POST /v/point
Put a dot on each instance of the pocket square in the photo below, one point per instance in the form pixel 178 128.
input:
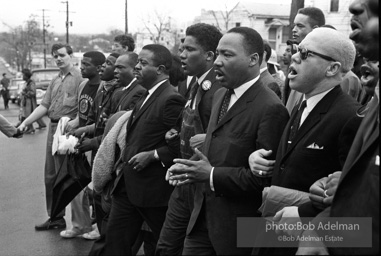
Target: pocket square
pixel 377 162
pixel 315 146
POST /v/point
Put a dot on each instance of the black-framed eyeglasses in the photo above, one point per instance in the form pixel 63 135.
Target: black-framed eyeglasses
pixel 304 54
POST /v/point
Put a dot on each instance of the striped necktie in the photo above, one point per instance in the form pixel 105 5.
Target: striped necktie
pixel 225 104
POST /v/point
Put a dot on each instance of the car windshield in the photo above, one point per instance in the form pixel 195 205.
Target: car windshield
pixel 40 76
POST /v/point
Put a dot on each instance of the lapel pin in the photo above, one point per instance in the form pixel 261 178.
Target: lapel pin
pixel 206 85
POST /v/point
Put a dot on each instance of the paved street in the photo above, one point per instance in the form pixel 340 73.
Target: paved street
pixel 22 197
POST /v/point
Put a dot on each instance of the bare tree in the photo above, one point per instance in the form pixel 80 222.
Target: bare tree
pixel 20 41
pixel 226 16
pixel 157 24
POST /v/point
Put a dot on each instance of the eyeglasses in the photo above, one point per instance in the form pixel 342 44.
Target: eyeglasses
pixel 304 54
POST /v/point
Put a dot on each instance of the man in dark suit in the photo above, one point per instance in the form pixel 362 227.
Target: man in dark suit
pixel 255 117
pixel 126 96
pixel 197 60
pixel 358 191
pixel 320 132
pixel 141 192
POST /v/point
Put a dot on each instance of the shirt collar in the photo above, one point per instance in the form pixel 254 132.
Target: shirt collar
pixel 128 86
pixel 262 70
pixel 239 91
pixel 153 89
pixel 314 100
pixel 201 79
pixel 60 74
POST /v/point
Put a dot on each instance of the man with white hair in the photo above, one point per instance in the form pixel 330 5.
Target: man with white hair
pixel 317 138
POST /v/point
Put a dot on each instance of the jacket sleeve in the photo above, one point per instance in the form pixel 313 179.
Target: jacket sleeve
pixel 172 110
pixel 238 181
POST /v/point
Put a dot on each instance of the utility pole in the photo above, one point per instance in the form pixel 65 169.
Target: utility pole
pixel 295 6
pixel 67 20
pixel 43 35
pixel 126 20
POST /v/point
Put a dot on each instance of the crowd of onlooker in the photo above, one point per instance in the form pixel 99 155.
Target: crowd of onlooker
pixel 182 146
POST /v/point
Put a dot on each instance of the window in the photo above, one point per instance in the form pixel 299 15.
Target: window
pixel 285 33
pixel 272 37
pixel 334 6
pixel 238 24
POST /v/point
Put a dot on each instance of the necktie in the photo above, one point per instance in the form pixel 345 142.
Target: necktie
pixel 193 93
pixel 139 104
pixel 225 104
pixel 189 88
pixel 141 101
pixel 295 124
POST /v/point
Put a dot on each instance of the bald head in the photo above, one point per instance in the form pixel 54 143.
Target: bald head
pixel 332 43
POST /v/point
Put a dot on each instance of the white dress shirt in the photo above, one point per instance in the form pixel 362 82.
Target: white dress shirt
pixel 311 103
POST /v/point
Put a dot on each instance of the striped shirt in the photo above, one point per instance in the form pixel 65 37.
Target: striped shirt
pixel 61 97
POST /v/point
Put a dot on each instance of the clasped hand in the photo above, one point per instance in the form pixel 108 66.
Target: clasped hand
pixel 141 160
pixel 188 171
pixel 323 190
pixel 259 165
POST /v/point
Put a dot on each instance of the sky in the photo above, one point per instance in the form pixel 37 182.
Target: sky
pixel 102 16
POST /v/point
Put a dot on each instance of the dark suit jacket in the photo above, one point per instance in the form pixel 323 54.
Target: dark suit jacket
pixel 255 121
pixel 270 82
pixel 358 192
pixel 145 132
pixel 298 166
pixel 205 98
pixel 183 89
pixel 126 99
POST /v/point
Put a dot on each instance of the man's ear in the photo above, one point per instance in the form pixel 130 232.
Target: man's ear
pixel 254 59
pixel 210 56
pixel 160 69
pixel 333 69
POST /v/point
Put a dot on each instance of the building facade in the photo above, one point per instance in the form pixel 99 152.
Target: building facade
pixel 272 20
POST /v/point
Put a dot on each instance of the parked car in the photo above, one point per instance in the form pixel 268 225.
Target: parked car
pixel 42 78
pixel 15 87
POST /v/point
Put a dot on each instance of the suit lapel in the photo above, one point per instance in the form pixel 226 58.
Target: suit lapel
pixel 218 98
pixel 239 106
pixel 126 93
pixel 287 129
pixel 150 100
pixel 211 76
pixel 313 118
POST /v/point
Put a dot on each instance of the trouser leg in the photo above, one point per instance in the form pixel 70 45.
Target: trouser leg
pixel 123 226
pixel 52 165
pixel 41 122
pixel 174 229
pixel 80 212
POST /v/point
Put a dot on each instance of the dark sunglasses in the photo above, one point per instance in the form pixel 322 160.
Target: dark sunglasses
pixel 304 54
